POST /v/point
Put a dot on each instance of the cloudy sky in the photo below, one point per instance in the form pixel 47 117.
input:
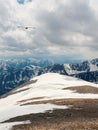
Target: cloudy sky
pixel 64 28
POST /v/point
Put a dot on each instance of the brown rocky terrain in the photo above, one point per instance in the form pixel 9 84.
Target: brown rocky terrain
pixel 81 115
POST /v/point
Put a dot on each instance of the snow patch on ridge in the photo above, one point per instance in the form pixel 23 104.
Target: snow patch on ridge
pixel 8 126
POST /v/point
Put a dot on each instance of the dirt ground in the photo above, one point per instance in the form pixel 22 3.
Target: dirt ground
pixel 84 89
pixel 82 115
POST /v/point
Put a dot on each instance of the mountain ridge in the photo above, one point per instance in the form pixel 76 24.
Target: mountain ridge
pixel 43 95
pixel 11 77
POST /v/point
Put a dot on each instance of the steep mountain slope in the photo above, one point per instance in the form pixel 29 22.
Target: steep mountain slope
pixel 40 95
pixel 12 77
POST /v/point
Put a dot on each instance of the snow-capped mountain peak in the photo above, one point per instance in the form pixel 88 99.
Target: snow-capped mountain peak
pixel 86 66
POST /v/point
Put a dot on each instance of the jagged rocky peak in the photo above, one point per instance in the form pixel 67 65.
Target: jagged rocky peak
pixel 95 61
pixel 86 66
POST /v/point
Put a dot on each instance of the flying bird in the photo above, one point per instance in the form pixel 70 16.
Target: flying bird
pixel 26 27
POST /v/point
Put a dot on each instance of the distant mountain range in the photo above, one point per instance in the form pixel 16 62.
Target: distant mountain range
pixel 87 70
pixel 16 72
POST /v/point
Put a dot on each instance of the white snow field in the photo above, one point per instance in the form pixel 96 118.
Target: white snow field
pixel 47 87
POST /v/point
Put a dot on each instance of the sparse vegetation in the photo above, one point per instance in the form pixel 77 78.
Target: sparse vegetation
pixel 83 115
pixel 84 89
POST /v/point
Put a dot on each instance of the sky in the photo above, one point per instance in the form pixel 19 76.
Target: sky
pixel 63 29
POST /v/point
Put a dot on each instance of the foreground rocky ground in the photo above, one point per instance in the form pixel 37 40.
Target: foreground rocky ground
pixel 82 115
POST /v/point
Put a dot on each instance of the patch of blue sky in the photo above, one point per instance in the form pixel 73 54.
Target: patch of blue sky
pixel 22 1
